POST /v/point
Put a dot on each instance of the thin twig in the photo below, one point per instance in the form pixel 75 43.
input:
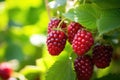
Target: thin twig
pixel 84 2
pixel 59 25
pixel 48 9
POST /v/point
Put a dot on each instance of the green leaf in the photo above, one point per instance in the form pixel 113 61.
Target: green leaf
pixel 110 20
pixel 110 77
pixel 61 69
pixel 70 14
pixel 107 4
pixel 86 15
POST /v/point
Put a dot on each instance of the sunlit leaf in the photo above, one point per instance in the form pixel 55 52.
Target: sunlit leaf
pixel 87 16
pixel 31 72
pixel 61 70
pixel 70 14
pixel 84 14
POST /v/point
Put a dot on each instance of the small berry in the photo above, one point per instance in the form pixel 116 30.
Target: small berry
pixel 83 67
pixel 73 28
pixel 56 41
pixel 54 24
pixel 5 71
pixel 102 55
pixel 82 42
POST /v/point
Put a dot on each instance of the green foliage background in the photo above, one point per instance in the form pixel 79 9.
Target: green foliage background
pixel 20 22
pixel 23 31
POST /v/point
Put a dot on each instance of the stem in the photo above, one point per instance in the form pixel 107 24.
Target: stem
pixel 98 38
pixel 48 9
pixel 75 2
pixel 61 22
pixel 84 2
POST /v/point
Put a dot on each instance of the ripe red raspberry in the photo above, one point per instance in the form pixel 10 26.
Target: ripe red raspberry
pixel 56 41
pixel 5 71
pixel 54 24
pixel 73 28
pixel 83 67
pixel 102 55
pixel 82 42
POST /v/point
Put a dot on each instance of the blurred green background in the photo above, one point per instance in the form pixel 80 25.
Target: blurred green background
pixel 23 27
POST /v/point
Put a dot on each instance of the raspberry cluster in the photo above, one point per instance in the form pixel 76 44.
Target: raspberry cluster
pixel 56 38
pixel 101 58
pixel 81 41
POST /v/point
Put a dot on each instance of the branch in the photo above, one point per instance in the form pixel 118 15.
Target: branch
pixel 48 9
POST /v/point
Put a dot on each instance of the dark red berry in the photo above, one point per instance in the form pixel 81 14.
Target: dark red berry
pixel 83 67
pixel 56 41
pixel 102 55
pixel 54 24
pixel 5 71
pixel 82 42
pixel 73 28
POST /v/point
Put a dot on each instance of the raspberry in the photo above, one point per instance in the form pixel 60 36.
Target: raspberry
pixel 54 24
pixel 102 55
pixel 56 41
pixel 82 42
pixel 83 67
pixel 5 71
pixel 73 27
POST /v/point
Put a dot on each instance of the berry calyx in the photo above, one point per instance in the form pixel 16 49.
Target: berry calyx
pixel 73 28
pixel 82 42
pixel 56 41
pixel 5 71
pixel 54 22
pixel 102 55
pixel 83 67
